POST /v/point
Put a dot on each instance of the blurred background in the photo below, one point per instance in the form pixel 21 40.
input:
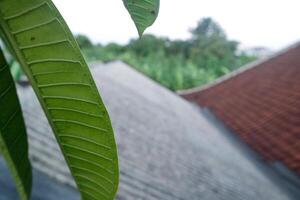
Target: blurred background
pixel 205 105
pixel 191 43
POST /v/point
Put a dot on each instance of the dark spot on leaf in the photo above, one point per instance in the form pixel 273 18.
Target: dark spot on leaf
pixel 32 38
pixel 153 12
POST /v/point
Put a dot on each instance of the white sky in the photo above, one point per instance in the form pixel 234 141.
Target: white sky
pixel 271 23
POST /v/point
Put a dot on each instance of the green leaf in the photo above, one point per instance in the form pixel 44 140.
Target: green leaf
pixel 143 13
pixel 13 138
pixel 59 75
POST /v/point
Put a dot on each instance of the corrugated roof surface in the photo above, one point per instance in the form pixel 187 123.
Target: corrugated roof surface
pixel 168 149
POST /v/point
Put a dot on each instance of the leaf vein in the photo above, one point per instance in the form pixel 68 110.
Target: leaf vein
pixel 93 189
pixel 90 162
pixel 10 119
pixel 63 84
pixel 93 182
pixel 6 90
pixel 76 111
pixel 87 151
pixel 34 26
pixel 71 99
pixel 79 123
pixel 84 139
pixel 25 11
pixel 52 60
pixel 43 44
pixel 92 172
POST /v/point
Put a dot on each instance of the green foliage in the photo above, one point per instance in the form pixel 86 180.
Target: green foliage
pixel 13 142
pixel 207 27
pixel 178 64
pixel 83 41
pixel 143 13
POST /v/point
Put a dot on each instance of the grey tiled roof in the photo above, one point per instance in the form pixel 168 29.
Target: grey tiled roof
pixel 44 188
pixel 168 150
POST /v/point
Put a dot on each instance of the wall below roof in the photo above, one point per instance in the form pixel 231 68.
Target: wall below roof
pixel 262 106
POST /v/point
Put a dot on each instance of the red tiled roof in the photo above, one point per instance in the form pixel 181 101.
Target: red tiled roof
pixel 261 105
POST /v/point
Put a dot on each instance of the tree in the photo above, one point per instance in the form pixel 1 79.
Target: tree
pixel 147 45
pixel 178 64
pixel 207 27
pixel 83 41
pixel 210 47
pixel 38 37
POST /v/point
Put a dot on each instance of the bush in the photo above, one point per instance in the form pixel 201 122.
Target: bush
pixel 178 64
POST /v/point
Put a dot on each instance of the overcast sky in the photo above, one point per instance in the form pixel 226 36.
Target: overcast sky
pixel 270 23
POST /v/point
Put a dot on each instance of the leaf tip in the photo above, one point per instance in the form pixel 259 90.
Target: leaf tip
pixel 143 13
pixel 140 32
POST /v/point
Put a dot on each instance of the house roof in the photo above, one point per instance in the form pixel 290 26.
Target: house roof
pixel 45 188
pixel 260 103
pixel 168 148
pixel 238 71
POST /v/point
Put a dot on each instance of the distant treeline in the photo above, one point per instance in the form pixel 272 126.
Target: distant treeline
pixel 176 64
